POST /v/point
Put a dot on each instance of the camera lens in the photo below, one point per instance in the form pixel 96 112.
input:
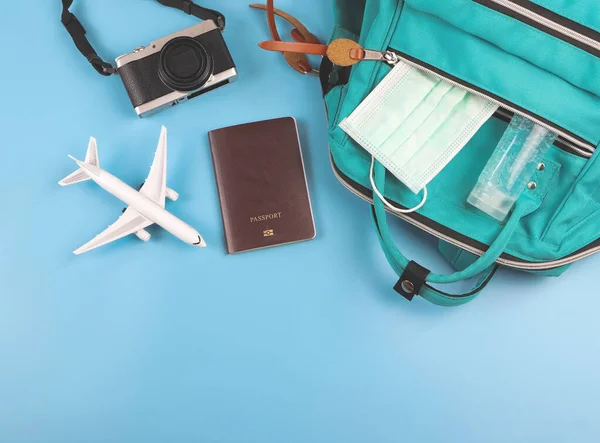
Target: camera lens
pixel 185 65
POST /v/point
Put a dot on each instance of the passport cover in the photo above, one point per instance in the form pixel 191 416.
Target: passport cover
pixel 262 185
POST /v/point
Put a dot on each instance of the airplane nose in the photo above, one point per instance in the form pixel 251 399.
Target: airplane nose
pixel 201 243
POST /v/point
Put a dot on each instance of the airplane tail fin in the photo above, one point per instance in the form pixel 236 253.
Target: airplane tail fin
pixel 91 158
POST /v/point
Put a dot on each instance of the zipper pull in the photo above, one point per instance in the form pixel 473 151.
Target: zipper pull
pixel 342 52
pixel 389 57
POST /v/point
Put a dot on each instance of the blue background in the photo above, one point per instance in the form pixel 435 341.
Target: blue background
pixel 162 342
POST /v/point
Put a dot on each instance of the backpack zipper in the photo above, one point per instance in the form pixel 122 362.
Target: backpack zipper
pixel 548 21
pixel 574 143
pixel 560 143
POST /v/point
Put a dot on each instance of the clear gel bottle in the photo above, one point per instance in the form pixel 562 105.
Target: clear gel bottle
pixel 509 170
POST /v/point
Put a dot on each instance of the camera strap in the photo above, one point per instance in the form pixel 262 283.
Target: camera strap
pixel 77 31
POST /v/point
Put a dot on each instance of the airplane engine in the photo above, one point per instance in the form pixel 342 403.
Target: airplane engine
pixel 143 235
pixel 172 195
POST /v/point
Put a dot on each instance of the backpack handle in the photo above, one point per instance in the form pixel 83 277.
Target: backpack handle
pixel 414 278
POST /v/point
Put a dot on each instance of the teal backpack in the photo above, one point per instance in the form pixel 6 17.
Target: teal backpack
pixel 536 58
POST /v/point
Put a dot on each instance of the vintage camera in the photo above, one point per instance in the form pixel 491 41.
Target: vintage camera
pixel 176 68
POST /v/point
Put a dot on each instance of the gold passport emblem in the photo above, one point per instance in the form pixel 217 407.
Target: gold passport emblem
pixel 269 233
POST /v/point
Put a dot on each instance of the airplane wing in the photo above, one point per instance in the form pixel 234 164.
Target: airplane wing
pixel 76 177
pixel 90 158
pixel 129 223
pixel 155 187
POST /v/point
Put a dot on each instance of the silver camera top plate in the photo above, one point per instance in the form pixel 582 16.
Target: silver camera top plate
pixel 156 46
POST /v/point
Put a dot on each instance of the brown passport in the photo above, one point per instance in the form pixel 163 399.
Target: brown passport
pixel 262 185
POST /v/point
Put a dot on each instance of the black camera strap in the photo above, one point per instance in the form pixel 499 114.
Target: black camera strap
pixel 77 31
pixel 191 8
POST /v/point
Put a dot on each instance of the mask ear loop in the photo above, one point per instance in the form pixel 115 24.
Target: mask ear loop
pixel 388 204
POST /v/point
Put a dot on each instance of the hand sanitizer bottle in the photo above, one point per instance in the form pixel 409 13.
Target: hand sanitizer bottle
pixel 511 167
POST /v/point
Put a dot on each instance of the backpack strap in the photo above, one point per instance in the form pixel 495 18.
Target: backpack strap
pixel 413 280
pixel 417 280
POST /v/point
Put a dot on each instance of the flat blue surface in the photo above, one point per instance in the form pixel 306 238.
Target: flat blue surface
pixel 162 342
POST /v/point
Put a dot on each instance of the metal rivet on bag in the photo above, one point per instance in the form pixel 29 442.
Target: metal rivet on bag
pixel 532 185
pixel 541 167
pixel 408 287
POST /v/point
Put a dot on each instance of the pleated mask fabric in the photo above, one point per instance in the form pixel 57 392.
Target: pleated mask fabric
pixel 415 124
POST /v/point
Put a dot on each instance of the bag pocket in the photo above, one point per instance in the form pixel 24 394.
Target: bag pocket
pixel 576 222
pixel 566 48
pixel 523 68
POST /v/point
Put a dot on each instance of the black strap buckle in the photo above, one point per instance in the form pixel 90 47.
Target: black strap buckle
pixel 72 25
pixel 191 8
pixel 187 6
pixel 101 66
pixel 412 280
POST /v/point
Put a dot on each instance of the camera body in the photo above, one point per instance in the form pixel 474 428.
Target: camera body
pixel 176 68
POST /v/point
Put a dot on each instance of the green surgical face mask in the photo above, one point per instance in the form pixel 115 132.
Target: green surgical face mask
pixel 415 124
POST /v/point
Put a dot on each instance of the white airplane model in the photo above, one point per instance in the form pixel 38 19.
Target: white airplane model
pixel 146 206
